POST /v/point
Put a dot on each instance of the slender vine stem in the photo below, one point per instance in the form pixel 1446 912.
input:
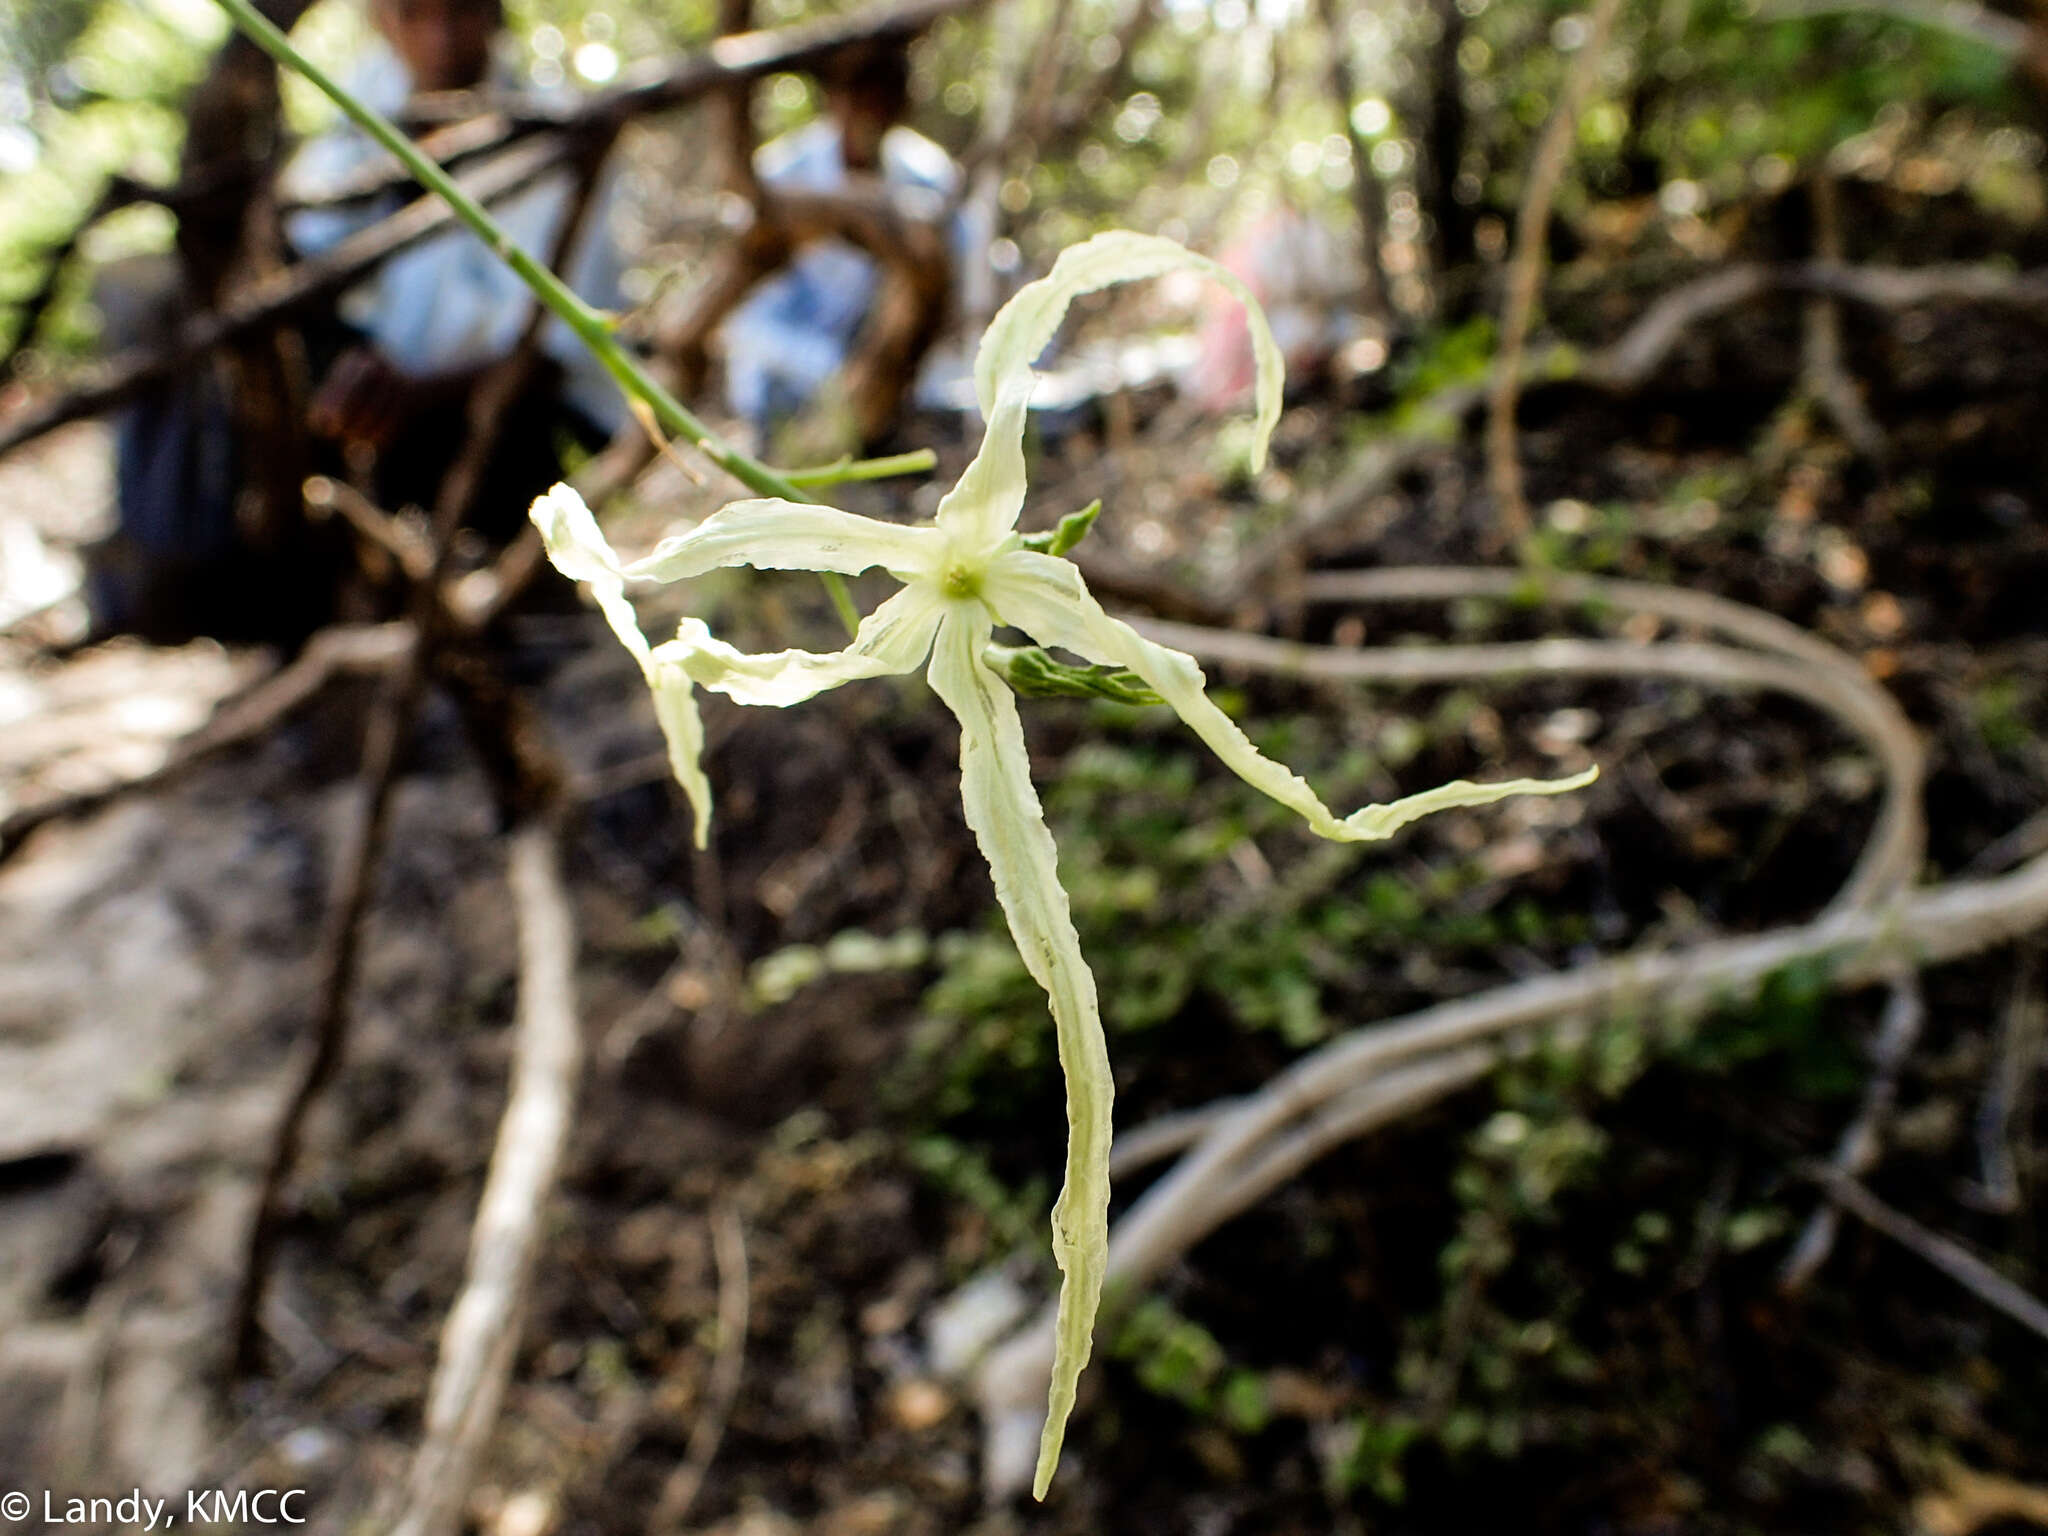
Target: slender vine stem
pixel 844 471
pixel 590 327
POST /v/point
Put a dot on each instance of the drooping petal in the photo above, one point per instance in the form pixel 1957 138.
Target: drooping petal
pixel 1047 598
pixel 675 706
pixel 772 535
pixel 577 547
pixel 1023 326
pixel 895 638
pixel 983 505
pixel 1004 813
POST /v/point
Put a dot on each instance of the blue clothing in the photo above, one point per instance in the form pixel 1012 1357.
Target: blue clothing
pixel 797 328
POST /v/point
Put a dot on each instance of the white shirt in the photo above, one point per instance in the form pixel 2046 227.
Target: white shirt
pixel 447 303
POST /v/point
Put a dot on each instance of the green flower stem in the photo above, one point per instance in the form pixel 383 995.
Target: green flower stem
pixel 847 470
pixel 590 326
pixel 842 601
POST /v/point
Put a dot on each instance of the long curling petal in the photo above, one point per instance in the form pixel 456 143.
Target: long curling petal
pixel 1022 327
pixel 895 638
pixel 773 535
pixel 1008 823
pixel 1047 598
pixel 577 547
pixel 983 505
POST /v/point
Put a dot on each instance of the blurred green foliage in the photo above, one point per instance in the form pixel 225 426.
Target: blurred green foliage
pixel 85 91
pixel 1178 1359
pixel 1218 114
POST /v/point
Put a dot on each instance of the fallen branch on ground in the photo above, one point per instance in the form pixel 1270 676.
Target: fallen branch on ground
pixel 1862 947
pixel 1625 366
pixel 1824 377
pixel 1629 363
pixel 1892 855
pixel 479 1341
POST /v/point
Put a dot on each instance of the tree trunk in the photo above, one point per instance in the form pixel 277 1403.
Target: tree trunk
pixel 1452 247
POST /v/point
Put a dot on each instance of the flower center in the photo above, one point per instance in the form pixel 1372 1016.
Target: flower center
pixel 961 580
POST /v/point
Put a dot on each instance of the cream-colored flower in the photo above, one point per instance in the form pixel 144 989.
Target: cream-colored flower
pixel 963 574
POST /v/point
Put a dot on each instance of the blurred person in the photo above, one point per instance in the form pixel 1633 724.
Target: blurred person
pixel 1305 280
pixel 393 368
pixel 799 326
pixel 425 326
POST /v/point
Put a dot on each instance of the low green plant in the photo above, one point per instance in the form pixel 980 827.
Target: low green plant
pixel 1176 1358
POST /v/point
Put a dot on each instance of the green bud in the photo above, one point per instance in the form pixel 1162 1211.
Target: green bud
pixel 1069 531
pixel 1033 674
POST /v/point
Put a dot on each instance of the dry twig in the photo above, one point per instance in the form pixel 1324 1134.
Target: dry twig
pixel 362 843
pixel 1823 374
pixel 1525 270
pixel 1893 852
pixel 1905 1015
pixel 679 1492
pixel 375 528
pixel 340 939
pixel 2006 1091
pixel 1945 1254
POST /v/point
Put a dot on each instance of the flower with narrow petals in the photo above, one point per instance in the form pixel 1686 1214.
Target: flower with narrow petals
pixel 963 574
